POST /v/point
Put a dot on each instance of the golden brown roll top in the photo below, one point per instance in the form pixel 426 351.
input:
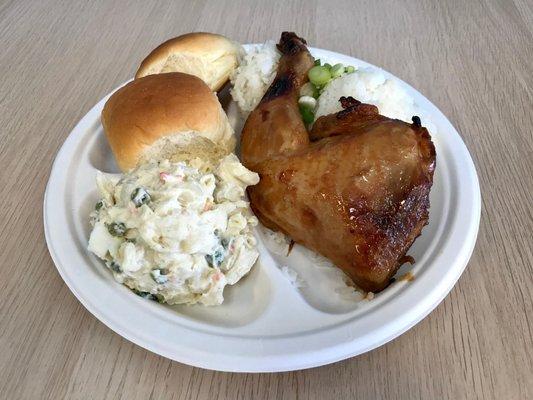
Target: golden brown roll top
pixel 209 56
pixel 162 106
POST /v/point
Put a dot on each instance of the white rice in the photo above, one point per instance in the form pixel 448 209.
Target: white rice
pixel 292 276
pixel 276 242
pixel 255 73
pixel 369 85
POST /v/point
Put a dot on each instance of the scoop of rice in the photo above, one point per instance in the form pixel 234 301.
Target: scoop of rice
pixel 254 75
pixel 370 85
pixel 258 67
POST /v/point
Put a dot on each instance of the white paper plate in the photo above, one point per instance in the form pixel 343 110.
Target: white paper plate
pixel 265 324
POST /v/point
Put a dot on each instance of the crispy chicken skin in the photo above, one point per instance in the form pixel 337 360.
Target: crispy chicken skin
pixel 355 188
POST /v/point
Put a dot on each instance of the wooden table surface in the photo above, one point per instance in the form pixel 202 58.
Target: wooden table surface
pixel 473 59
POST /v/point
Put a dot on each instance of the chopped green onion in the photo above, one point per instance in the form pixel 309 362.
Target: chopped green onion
pixel 215 260
pixel 317 61
pixel 140 196
pixel 316 92
pixel 307 102
pixel 116 228
pixel 115 267
pixel 308 116
pixel 337 70
pixel 350 69
pixel 146 295
pixel 319 75
pixel 158 276
pixel 98 206
pixel 327 65
pixel 309 90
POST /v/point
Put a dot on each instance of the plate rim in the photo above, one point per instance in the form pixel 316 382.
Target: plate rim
pixel 293 361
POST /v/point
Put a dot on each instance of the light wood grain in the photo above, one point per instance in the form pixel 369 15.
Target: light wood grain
pixel 473 59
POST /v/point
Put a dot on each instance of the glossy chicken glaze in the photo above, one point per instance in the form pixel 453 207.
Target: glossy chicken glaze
pixel 355 188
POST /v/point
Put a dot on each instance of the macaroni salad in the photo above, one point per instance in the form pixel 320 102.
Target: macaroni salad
pixel 176 232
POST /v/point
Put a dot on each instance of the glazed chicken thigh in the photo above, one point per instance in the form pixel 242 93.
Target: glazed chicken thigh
pixel 354 189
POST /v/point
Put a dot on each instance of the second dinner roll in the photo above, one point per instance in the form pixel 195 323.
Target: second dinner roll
pixel 162 106
pixel 209 56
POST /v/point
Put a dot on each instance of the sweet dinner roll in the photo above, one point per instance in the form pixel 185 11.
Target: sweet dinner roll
pixel 139 115
pixel 208 56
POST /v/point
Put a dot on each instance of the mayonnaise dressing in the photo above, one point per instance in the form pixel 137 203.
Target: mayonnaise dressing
pixel 176 232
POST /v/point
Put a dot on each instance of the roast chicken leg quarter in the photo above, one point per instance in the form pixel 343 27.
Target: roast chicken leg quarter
pixel 354 189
